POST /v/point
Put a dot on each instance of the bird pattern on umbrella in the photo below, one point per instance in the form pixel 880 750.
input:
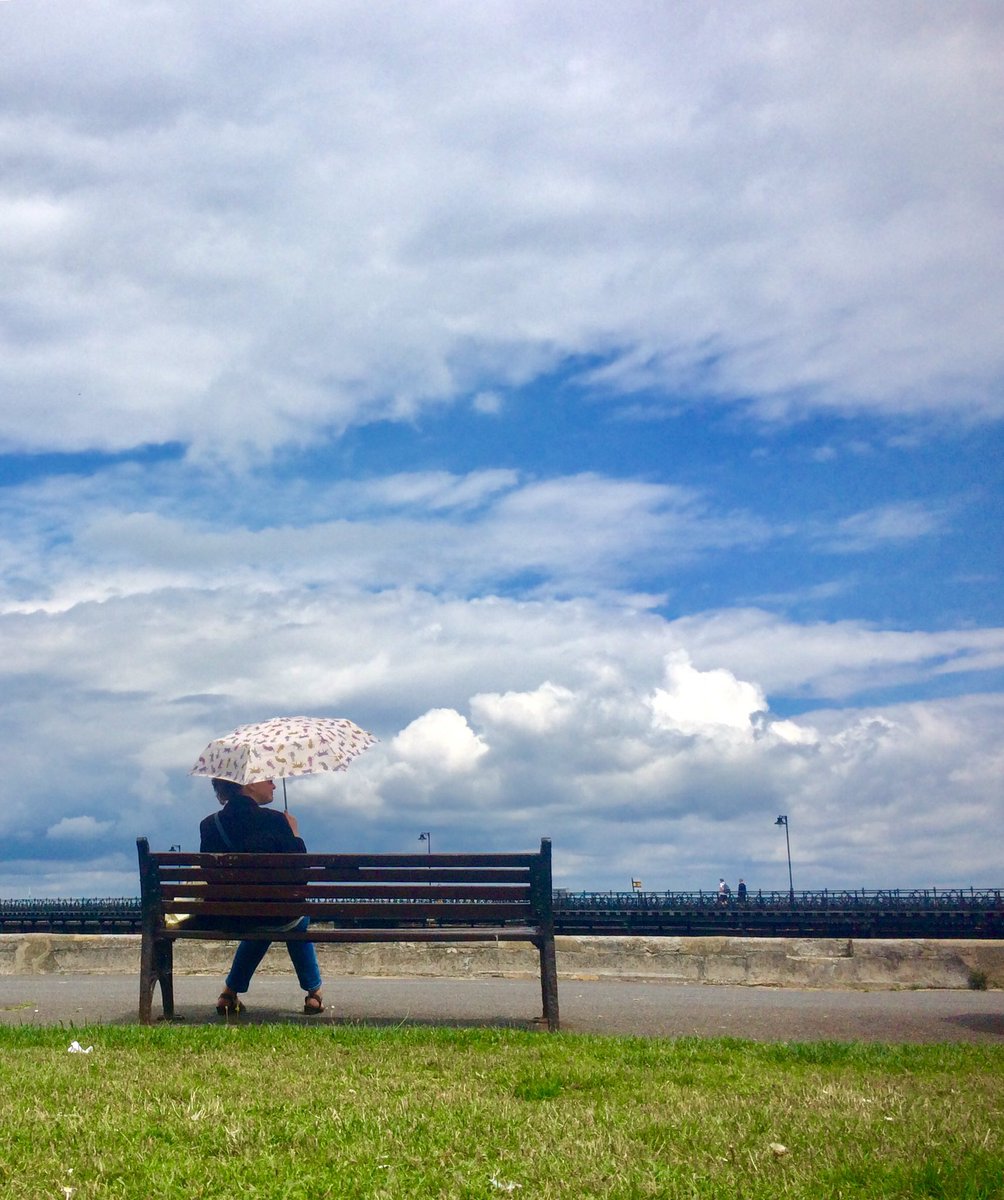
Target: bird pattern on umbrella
pixel 283 746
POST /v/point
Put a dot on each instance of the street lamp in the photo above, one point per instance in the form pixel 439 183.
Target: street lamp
pixel 787 841
pixel 426 837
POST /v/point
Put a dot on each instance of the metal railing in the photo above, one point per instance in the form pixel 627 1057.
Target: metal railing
pixel 932 899
pixel 858 912
pixel 112 914
pixel 883 912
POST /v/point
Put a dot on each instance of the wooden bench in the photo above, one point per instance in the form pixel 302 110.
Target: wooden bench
pixel 349 898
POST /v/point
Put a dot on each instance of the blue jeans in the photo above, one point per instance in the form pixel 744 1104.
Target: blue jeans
pixel 249 954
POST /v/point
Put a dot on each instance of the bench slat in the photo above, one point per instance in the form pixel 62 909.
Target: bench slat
pixel 270 874
pixel 456 911
pixel 370 891
pixel 353 862
pixel 438 933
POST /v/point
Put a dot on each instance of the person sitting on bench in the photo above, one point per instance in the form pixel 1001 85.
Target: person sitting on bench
pixel 246 826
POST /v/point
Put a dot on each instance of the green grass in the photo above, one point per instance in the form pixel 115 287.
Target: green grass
pixel 284 1112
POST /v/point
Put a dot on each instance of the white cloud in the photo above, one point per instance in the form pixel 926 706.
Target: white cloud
pixel 78 828
pixel 430 529
pixel 434 491
pixel 832 658
pixel 538 712
pixel 501 721
pixel 487 403
pixel 705 701
pixel 371 218
pixel 876 528
pixel 793 733
pixel 439 742
pixel 250 233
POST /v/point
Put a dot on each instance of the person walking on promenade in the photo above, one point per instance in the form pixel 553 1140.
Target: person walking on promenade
pixel 741 891
pixel 246 826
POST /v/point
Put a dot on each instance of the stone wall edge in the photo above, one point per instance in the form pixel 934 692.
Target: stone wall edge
pixel 765 962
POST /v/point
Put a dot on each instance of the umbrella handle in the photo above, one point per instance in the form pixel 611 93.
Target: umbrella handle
pixel 285 806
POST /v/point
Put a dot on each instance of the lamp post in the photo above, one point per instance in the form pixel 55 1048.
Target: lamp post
pixel 787 841
pixel 426 837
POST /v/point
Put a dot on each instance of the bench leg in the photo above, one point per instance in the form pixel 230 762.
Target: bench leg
pixel 147 979
pixel 165 976
pixel 549 983
pixel 156 965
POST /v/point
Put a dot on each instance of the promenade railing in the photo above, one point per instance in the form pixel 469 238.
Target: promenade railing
pixel 972 912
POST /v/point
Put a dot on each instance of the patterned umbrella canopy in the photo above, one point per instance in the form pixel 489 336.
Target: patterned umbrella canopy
pixel 281 747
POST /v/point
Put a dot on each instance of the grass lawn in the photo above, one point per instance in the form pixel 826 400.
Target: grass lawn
pixel 282 1111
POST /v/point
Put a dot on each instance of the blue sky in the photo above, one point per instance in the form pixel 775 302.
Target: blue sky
pixel 601 405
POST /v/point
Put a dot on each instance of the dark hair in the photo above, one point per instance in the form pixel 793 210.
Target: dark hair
pixel 226 790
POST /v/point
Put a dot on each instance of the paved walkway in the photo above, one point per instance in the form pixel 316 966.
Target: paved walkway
pixel 607 1006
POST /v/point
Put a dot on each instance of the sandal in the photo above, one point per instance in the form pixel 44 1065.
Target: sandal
pixel 228 1004
pixel 313 1004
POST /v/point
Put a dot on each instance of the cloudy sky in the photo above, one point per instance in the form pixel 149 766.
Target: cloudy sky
pixel 600 403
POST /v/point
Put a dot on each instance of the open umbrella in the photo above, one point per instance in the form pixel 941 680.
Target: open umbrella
pixel 281 747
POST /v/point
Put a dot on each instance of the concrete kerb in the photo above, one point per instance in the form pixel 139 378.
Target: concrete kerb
pixel 768 962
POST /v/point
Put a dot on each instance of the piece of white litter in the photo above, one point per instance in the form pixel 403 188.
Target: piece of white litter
pixel 503 1185
pixel 76 1048
pixel 778 1150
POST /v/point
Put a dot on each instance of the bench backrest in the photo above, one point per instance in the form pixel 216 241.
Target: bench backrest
pixel 364 890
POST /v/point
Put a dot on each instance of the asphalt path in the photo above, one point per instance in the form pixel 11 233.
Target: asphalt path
pixel 643 1009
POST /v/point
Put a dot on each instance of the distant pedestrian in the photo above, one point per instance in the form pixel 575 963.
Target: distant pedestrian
pixel 724 891
pixel 741 891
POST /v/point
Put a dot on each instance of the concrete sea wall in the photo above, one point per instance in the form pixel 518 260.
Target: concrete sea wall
pixel 766 962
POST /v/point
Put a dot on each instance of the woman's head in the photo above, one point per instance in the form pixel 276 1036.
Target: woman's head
pixel 226 790
pixel 260 792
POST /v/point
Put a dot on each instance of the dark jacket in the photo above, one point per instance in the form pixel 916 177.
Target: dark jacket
pixel 251 830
